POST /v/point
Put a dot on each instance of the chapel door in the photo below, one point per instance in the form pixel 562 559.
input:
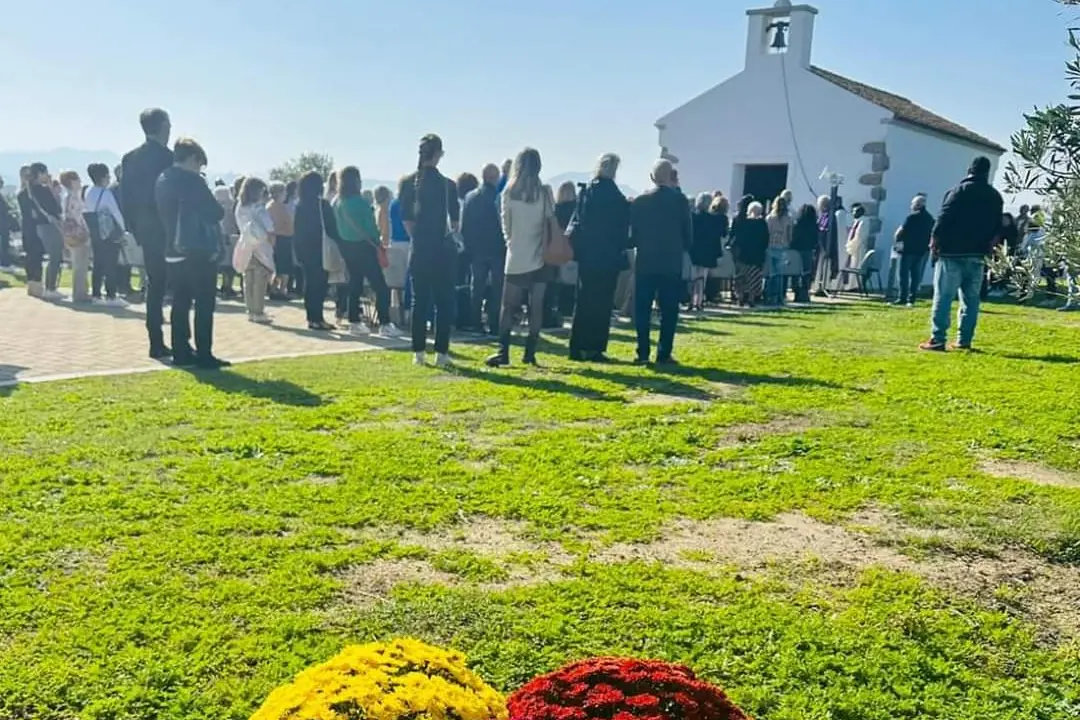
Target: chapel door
pixel 765 182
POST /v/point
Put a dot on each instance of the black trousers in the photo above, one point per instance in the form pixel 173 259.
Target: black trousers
pixel 5 247
pixel 592 317
pixel 314 289
pixel 463 291
pixel 35 253
pixel 487 283
pixel 433 285
pixel 155 286
pixel 910 276
pixel 194 283
pixel 362 261
pixel 106 268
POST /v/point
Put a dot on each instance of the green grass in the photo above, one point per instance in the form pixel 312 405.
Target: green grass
pixel 176 545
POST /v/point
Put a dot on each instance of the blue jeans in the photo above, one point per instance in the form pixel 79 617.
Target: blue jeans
pixel 776 285
pixel 667 291
pixel 964 274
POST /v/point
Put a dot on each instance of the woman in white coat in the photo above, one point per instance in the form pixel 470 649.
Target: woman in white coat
pixel 527 210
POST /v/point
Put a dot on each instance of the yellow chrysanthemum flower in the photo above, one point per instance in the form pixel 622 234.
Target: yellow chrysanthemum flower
pixel 386 681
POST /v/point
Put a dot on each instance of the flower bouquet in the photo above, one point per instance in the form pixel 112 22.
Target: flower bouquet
pixel 621 689
pixel 386 681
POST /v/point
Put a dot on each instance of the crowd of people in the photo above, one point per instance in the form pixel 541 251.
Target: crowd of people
pixel 476 254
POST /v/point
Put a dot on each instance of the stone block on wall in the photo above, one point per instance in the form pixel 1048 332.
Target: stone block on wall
pixel 874 148
pixel 872 179
pixel 875 225
pixel 880 163
pixel 871 208
pixel 878 193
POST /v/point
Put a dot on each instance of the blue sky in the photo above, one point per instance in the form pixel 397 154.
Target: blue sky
pixel 258 82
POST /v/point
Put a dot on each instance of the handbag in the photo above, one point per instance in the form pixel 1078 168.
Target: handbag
pixel 332 259
pixel 52 239
pixel 103 226
pixel 201 242
pixel 380 249
pixel 557 249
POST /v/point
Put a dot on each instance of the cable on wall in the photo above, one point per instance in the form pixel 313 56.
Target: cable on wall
pixel 791 126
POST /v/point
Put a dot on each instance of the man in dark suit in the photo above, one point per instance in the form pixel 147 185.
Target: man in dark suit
pixel 660 230
pixel 140 170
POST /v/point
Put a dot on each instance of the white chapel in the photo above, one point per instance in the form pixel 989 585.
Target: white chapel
pixel 782 120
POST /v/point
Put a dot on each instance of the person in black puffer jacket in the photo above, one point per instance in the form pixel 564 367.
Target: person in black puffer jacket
pixel 966 228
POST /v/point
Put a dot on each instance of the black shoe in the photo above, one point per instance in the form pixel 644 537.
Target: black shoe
pixel 641 361
pixel 160 352
pixel 601 358
pixel 666 360
pixel 498 359
pixel 184 360
pixel 211 363
pixel 530 350
pixel 577 356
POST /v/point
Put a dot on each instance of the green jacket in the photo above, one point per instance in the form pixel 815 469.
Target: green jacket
pixel 356 220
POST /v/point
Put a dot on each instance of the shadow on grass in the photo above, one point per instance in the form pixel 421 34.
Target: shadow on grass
pixel 9 381
pixel 665 380
pixel 1049 359
pixel 281 392
pixel 512 378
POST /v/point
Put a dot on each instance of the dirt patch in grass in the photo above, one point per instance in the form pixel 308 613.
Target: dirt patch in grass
pixel 737 435
pixel 1031 472
pixel 793 545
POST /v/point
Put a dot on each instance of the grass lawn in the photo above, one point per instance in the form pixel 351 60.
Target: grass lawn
pixel 810 513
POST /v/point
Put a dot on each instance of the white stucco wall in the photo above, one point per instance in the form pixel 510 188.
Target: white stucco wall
pixel 922 161
pixel 744 121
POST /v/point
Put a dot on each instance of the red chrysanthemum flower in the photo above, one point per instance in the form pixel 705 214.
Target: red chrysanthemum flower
pixel 621 689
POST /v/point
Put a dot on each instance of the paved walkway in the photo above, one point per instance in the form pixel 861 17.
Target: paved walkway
pixel 42 340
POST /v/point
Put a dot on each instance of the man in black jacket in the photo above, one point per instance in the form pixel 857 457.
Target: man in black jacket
pixel 140 170
pixel 190 217
pixel 913 243
pixel 963 236
pixel 660 229
pixel 599 233
pixel 481 229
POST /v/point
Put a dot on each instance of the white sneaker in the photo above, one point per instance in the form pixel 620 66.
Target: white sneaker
pixel 262 319
pixel 115 303
pixel 392 331
pixel 9 269
pixel 419 358
pixel 442 360
pixel 359 330
pixel 52 295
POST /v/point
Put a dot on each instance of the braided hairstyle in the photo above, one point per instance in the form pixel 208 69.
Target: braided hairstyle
pixel 430 149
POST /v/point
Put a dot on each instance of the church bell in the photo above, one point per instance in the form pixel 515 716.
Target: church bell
pixel 779 41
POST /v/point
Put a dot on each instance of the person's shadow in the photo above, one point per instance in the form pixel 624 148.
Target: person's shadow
pixel 281 392
pixel 9 378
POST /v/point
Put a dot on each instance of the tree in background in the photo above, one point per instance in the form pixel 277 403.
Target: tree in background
pixel 1047 162
pixel 293 169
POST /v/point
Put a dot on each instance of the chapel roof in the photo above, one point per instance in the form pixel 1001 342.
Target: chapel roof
pixel 906 110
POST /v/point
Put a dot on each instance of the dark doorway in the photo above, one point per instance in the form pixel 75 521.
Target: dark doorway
pixel 764 182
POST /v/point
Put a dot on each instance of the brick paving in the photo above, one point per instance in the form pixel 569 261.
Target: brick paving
pixel 41 340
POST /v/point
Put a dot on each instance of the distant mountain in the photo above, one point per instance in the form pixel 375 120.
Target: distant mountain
pixel 58 159
pixel 584 177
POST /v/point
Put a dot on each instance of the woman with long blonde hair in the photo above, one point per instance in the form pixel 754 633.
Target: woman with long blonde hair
pixel 527 208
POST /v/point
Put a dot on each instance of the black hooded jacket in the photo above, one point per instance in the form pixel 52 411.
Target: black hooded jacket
pixel 970 219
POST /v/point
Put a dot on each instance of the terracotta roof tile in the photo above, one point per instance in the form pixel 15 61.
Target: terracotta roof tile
pixel 907 111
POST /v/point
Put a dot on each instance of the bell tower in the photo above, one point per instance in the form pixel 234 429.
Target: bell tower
pixel 783 29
